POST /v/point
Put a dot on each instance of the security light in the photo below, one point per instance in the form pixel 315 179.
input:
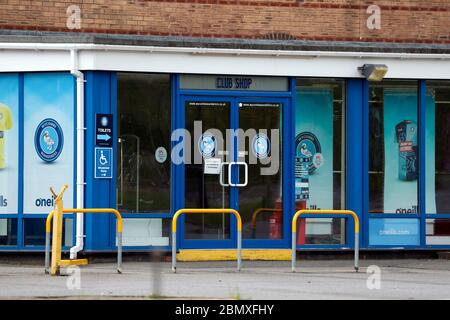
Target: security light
pixel 374 72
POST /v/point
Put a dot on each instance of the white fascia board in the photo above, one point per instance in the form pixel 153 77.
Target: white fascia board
pixel 346 67
pixel 55 57
pixel 27 60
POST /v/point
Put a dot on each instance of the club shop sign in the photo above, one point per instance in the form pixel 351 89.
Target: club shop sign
pixel 243 83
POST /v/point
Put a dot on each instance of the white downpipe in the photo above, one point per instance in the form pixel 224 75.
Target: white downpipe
pixel 80 153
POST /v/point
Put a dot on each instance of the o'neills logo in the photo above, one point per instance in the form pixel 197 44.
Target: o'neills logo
pixel 48 140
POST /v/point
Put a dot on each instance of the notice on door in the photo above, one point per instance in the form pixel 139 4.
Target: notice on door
pixel 212 166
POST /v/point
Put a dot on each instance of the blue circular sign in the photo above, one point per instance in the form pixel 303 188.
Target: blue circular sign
pixel 308 146
pixel 48 140
pixel 261 145
pixel 207 145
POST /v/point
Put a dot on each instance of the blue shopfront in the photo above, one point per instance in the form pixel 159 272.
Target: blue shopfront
pixel 265 146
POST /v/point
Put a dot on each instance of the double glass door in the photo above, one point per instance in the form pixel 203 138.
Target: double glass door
pixel 232 159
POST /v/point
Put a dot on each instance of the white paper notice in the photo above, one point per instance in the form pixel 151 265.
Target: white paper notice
pixel 212 165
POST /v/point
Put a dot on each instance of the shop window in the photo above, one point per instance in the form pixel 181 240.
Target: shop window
pixel 438 160
pixel 146 232
pixel 34 232
pixel 320 157
pixel 393 147
pixel 143 149
pixel 8 232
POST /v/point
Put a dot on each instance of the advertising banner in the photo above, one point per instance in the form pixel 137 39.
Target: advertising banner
pixel 401 152
pixel 9 143
pixel 314 154
pixel 396 232
pixel 314 144
pixel 430 151
pixel 48 139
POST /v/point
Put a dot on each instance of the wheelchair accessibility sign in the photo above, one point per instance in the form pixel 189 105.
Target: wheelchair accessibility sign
pixel 103 163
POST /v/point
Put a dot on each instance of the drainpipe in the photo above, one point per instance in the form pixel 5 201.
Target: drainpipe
pixel 80 153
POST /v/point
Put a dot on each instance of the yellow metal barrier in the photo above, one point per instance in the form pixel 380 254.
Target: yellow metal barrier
pixel 56 214
pixel 255 216
pixel 338 212
pixel 203 211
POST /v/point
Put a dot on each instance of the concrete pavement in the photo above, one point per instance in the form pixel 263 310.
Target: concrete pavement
pixel 399 279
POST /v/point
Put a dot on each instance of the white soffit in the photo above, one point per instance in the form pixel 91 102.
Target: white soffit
pixel 56 57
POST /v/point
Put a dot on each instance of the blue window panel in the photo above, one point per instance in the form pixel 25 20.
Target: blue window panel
pixel 394 232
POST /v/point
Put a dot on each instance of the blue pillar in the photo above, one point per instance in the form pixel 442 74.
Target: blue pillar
pixel 356 154
pixel 100 193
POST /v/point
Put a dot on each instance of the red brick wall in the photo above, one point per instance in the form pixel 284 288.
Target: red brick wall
pixel 420 21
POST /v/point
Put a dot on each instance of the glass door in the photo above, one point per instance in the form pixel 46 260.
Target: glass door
pixel 260 201
pixel 207 121
pixel 233 159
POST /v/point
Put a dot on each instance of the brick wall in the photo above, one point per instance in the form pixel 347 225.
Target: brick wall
pixel 416 21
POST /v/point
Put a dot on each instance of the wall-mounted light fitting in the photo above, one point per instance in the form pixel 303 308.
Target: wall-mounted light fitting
pixel 374 72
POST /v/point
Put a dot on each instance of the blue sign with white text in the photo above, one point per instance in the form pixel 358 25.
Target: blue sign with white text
pixel 104 130
pixel 395 232
pixel 103 163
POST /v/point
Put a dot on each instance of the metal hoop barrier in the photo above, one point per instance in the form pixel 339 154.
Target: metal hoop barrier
pixel 56 250
pixel 338 212
pixel 255 216
pixel 207 211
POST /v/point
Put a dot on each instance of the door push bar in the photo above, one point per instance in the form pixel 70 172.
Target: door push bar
pixel 207 211
pixel 230 165
pixel 337 212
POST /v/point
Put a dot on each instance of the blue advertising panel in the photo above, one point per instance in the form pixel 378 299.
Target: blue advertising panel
pixel 401 147
pixel 48 138
pixel 394 232
pixel 314 146
pixel 400 151
pixel 103 163
pixel 430 151
pixel 9 143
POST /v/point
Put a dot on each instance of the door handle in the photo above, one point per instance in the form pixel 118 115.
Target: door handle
pixel 239 163
pixel 223 184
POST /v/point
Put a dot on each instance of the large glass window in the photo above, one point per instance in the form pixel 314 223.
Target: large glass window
pixel 320 157
pixel 143 170
pixel 34 232
pixel 393 147
pixel 438 160
pixel 8 232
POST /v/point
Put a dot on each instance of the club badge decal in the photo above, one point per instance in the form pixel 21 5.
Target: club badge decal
pixel 207 145
pixel 49 140
pixel 261 146
pixel 308 146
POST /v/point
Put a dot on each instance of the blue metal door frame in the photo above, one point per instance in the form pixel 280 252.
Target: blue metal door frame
pixel 189 243
pixel 285 98
pixel 286 171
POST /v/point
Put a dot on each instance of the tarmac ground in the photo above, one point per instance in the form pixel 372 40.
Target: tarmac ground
pixel 314 279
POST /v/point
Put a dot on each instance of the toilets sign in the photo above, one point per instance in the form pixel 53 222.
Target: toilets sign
pixel 104 130
pixel 103 163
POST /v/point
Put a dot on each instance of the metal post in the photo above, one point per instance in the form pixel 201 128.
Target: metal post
pixel 119 252
pixel 356 251
pixel 57 235
pixel 294 256
pixel 174 252
pixel 47 252
pixel 239 250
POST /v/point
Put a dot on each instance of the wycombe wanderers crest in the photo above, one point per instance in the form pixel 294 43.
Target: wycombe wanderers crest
pixel 308 147
pixel 207 145
pixel 49 140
